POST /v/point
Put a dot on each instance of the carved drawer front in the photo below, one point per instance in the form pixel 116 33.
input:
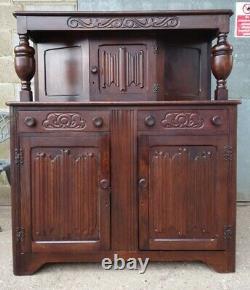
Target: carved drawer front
pixel 171 120
pixel 75 121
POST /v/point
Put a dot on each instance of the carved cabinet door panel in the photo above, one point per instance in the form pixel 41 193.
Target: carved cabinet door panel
pixel 65 192
pixel 182 192
pixel 122 69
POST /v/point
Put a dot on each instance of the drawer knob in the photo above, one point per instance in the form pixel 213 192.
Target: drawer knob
pixel 216 120
pixel 149 121
pixel 98 122
pixel 30 121
pixel 94 69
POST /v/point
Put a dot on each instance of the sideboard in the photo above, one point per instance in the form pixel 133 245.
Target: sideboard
pixel 121 148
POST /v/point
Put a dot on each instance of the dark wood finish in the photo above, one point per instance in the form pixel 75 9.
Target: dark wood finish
pixel 158 56
pixel 25 66
pixel 123 151
pixel 222 62
pixel 61 121
pixel 185 19
pixel 76 212
pixel 207 232
pixel 180 51
pixel 183 193
pixel 115 68
pixel 185 122
pixel 124 179
pixel 122 69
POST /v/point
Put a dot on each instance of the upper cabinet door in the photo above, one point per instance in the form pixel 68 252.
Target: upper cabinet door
pixel 182 192
pixel 65 192
pixel 122 70
pixel 62 71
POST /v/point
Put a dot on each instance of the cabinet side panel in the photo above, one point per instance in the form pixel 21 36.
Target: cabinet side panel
pixel 232 185
pixel 15 188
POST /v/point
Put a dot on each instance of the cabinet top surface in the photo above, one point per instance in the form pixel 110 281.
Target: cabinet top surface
pixel 107 13
pixel 151 103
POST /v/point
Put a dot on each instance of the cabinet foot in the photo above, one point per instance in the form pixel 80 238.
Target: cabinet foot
pixel 226 265
pixel 27 265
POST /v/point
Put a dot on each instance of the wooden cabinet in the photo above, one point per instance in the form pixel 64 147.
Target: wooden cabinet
pixel 121 149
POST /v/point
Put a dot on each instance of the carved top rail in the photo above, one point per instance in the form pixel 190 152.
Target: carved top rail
pixel 196 19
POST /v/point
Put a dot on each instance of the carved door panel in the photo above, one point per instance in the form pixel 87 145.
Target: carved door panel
pixel 65 194
pixel 182 192
pixel 122 70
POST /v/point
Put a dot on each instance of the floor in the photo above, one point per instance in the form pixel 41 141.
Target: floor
pixel 158 275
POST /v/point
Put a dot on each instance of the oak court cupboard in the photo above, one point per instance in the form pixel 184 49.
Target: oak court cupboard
pixel 120 148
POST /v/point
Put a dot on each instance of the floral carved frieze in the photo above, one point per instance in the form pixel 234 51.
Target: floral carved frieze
pixel 182 120
pixel 64 121
pixel 145 22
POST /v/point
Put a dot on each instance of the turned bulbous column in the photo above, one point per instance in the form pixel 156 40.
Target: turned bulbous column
pixel 221 64
pixel 25 66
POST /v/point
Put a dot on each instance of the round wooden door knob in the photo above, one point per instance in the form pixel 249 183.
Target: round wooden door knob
pixel 149 121
pixel 216 120
pixel 104 184
pixel 142 182
pixel 98 122
pixel 30 121
pixel 94 69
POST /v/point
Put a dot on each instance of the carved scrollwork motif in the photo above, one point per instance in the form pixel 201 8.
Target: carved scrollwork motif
pixel 182 120
pixel 203 155
pixel 64 121
pixel 159 154
pixel 64 152
pixel 123 22
pixel 181 152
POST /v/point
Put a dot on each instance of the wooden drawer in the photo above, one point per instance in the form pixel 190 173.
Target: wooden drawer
pixel 48 121
pixel 184 120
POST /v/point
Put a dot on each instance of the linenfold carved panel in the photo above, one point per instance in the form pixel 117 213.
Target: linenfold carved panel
pixel 182 181
pixel 182 120
pixel 64 121
pixel 122 68
pixel 65 194
pixel 136 22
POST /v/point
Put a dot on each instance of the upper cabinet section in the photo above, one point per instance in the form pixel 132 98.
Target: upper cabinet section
pixel 131 56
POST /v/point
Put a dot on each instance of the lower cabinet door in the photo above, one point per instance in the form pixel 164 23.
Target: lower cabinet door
pixel 65 192
pixel 182 192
